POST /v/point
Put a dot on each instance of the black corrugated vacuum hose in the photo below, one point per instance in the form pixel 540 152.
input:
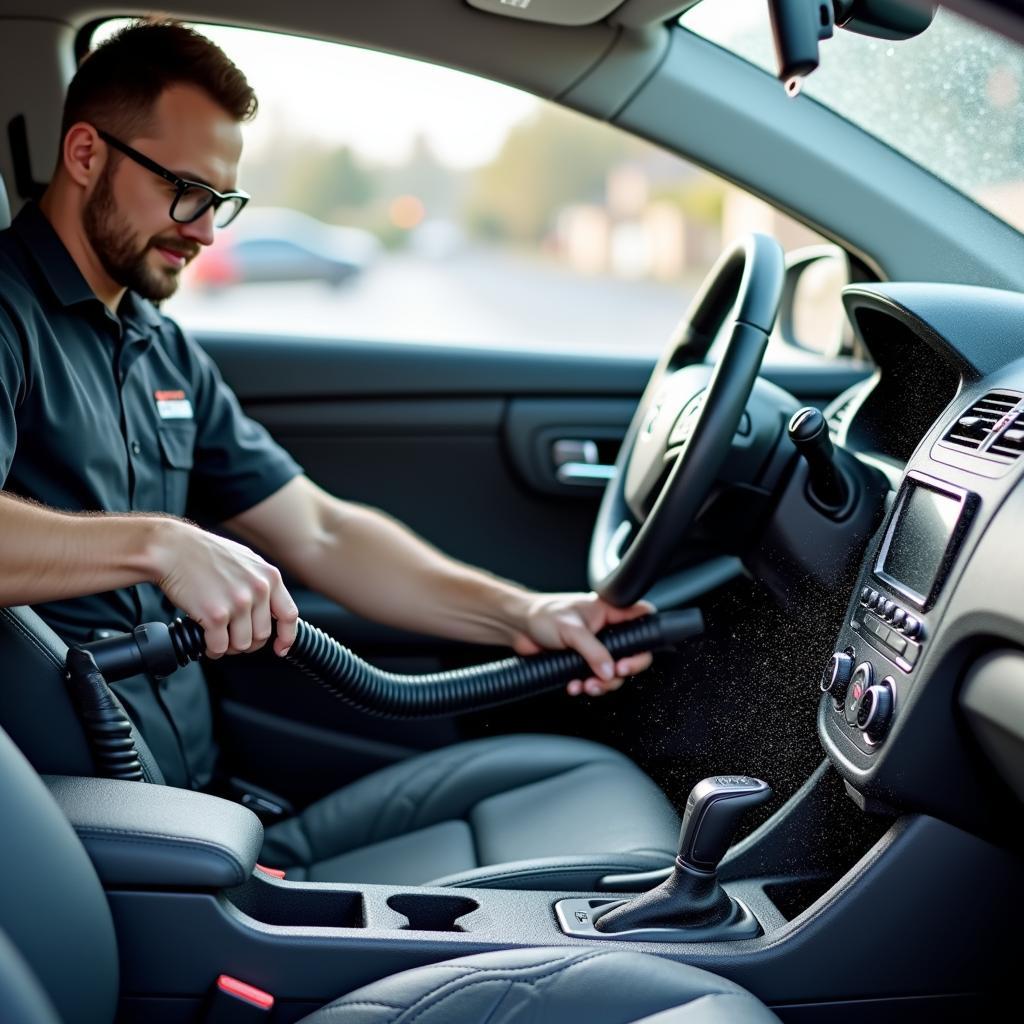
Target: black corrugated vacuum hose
pixel 371 689
pixel 160 649
pixel 104 721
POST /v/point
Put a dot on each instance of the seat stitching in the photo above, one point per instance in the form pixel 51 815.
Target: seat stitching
pixel 364 1002
pixel 493 973
pixel 398 791
pixel 560 775
pixel 31 637
pixel 479 754
pixel 446 770
pixel 343 1002
pixel 504 995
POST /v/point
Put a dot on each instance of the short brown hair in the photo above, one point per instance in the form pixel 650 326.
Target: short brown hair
pixel 118 84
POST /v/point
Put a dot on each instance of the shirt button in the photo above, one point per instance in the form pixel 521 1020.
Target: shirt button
pixel 136 448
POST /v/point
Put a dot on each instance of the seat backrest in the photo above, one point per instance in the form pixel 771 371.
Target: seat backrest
pixel 5 206
pixel 52 910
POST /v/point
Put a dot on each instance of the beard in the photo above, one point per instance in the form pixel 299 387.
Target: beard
pixel 123 257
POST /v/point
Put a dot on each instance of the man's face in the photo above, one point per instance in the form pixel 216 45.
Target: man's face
pixel 127 216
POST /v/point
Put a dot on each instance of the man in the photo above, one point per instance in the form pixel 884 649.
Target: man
pixel 107 409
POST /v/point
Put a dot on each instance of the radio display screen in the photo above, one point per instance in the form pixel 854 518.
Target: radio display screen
pixel 918 538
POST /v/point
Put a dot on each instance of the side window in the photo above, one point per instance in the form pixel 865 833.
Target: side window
pixel 395 200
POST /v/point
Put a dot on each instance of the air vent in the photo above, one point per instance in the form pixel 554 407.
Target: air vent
pixel 839 413
pixel 973 427
pixel 1009 444
pixel 838 416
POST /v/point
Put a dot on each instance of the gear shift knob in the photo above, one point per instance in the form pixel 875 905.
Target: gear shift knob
pixel 713 811
pixel 691 905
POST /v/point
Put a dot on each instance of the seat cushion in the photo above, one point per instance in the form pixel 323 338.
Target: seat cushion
pixel 549 986
pixel 536 811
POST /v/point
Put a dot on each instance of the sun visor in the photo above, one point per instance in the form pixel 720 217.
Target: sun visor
pixel 553 12
pixel 630 13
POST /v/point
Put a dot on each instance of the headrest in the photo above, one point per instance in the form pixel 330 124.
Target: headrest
pixel 5 207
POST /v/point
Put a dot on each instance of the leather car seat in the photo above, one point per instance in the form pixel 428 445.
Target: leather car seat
pixel 512 812
pixel 59 958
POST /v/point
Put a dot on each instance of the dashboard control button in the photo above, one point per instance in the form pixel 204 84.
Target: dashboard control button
pixel 837 675
pixel 896 642
pixel 911 654
pixel 888 609
pixel 865 595
pixel 875 626
pixel 912 627
pixel 898 618
pixel 860 683
pixel 874 598
pixel 874 712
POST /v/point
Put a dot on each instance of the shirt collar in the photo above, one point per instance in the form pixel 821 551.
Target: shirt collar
pixel 50 255
pixel 62 273
pixel 139 313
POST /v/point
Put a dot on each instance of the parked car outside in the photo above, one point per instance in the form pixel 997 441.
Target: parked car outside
pixel 273 244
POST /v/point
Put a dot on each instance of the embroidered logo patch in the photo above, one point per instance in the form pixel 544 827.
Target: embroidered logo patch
pixel 173 405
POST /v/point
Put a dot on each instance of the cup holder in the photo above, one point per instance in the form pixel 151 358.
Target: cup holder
pixel 432 913
pixel 298 908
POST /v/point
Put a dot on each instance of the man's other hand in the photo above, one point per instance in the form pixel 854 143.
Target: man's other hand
pixel 557 621
pixel 227 588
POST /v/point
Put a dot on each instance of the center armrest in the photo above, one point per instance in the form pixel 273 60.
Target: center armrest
pixel 142 834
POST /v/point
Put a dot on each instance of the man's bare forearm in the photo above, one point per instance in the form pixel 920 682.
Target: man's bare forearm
pixel 366 561
pixel 229 590
pixel 382 570
pixel 47 555
pixel 370 563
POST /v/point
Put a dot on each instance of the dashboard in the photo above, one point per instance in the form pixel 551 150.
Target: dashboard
pixel 923 700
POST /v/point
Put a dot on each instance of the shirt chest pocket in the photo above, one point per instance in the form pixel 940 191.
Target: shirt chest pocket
pixel 177 455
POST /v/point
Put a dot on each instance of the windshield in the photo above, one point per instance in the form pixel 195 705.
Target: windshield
pixel 949 99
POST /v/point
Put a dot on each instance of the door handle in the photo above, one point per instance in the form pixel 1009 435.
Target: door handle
pixel 576 463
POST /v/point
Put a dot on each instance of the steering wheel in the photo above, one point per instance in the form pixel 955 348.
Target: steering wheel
pixel 686 420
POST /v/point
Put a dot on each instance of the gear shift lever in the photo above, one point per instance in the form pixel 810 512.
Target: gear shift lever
pixel 713 811
pixel 691 899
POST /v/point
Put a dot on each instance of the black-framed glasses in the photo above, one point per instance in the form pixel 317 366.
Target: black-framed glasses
pixel 191 198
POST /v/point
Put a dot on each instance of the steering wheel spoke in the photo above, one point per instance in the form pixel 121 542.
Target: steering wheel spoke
pixel 685 423
pixel 617 543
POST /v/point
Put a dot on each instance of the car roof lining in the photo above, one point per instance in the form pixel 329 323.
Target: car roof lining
pixel 593 68
pixel 544 59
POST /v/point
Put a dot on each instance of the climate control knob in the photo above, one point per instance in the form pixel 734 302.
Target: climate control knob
pixel 837 675
pixel 874 713
pixel 861 681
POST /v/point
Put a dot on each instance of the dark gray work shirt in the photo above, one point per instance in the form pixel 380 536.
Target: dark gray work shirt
pixel 120 413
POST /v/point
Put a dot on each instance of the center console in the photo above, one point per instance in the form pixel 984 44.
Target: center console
pixel 191 906
pixel 890 621
pixel 932 595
